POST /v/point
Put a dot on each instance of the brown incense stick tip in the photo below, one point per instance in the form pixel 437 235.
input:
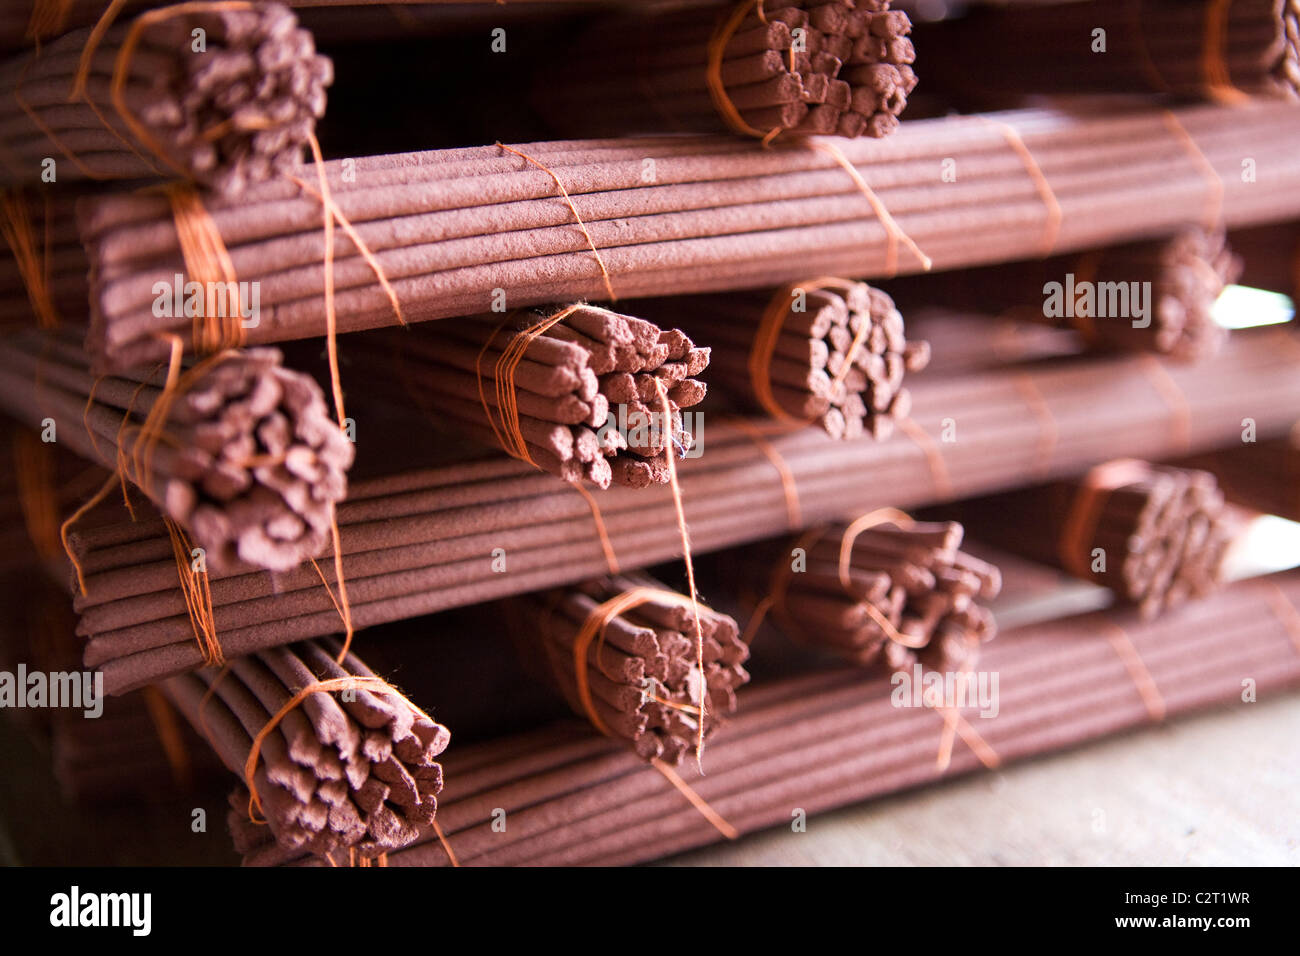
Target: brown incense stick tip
pixel 243 109
pixel 262 465
pixel 908 595
pixel 643 670
pixel 345 770
pixel 1195 267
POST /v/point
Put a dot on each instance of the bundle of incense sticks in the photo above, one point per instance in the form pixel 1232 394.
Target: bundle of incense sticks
pixel 892 591
pixel 147 99
pixel 1153 534
pixel 803 67
pixel 634 671
pixel 240 451
pixel 1270 257
pixel 1262 475
pixel 110 748
pixel 1154 296
pixel 1224 51
pixel 821 741
pixel 423 541
pixel 676 215
pixel 828 351
pixel 574 390
pixel 354 771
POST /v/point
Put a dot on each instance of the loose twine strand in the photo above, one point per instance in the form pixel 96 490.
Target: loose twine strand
pixel 33 266
pixel 593 629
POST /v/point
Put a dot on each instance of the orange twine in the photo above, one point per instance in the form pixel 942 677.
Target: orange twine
pixel 789 487
pixel 34 471
pixel 33 267
pixel 1052 227
pixel 1214 197
pixel 698 802
pixel 893 232
pixel 1137 669
pixel 1172 396
pixel 1086 508
pixel 715 49
pixel 956 724
pixel 207 262
pixel 1214 68
pixel 933 456
pixel 600 261
pixel 1050 432
pixel 606 545
pixel 377 684
pixel 197 593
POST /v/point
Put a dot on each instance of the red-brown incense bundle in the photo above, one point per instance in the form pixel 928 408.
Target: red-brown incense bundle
pixel 1153 296
pixel 1153 534
pixel 224 94
pixel 1224 51
pixel 575 391
pixel 824 351
pixel 624 652
pixel 882 589
pixel 351 764
pixel 240 451
pixel 800 67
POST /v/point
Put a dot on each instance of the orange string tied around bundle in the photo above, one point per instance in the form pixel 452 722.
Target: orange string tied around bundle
pixel 600 260
pixel 1086 508
pixel 717 46
pixel 208 263
pixel 192 571
pixel 1137 669
pixel 377 684
pixel 33 267
pixel 1052 225
pixel 1215 75
pixel 855 528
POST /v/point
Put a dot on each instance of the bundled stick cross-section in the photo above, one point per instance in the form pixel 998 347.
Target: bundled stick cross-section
pixel 224 94
pixel 809 66
pixel 882 589
pixel 333 756
pixel 1150 296
pixel 825 351
pixel 1154 535
pixel 579 392
pixel 625 652
pixel 240 451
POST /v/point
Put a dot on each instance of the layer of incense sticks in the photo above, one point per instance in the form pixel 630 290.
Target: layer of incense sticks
pixel 635 673
pixel 1154 296
pixel 1205 48
pixel 242 452
pixel 828 351
pixel 101 749
pixel 821 741
pixel 418 542
pixel 147 99
pixel 454 230
pixel 896 592
pixel 353 766
pixel 1263 475
pixel 801 67
pixel 1153 534
pixel 580 391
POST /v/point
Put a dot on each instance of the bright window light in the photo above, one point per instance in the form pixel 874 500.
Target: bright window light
pixel 1241 307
